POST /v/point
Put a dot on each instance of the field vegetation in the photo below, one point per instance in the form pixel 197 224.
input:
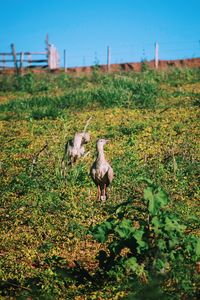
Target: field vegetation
pixel 57 241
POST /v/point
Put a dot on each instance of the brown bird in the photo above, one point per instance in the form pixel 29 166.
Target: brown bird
pixel 101 171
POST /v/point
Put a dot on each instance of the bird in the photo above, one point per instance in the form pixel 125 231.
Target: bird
pixel 101 171
pixel 74 149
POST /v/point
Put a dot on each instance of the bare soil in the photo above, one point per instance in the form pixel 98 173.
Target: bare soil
pixel 123 67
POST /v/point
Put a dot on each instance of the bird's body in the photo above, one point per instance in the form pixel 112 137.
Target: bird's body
pixel 74 149
pixel 101 171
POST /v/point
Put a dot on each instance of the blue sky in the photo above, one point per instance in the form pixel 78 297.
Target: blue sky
pixel 85 28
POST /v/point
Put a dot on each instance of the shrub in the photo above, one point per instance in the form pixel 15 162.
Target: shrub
pixel 155 245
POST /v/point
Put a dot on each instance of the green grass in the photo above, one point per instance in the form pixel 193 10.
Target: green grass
pixel 151 119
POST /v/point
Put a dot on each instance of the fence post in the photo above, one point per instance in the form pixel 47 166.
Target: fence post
pixel 108 58
pixel 48 50
pixel 156 55
pixel 29 60
pixel 21 60
pixel 14 57
pixel 47 41
pixel 53 59
pixel 4 60
pixel 65 62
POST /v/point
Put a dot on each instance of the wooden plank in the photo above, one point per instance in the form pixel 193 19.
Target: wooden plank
pixel 25 53
pixel 35 53
pixel 5 53
pixel 35 60
pixel 8 60
pixel 53 58
pixel 25 60
pixel 37 66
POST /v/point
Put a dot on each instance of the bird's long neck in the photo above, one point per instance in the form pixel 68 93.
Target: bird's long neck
pixel 100 153
pixel 77 140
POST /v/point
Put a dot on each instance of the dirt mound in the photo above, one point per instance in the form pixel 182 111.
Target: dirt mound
pixel 123 67
pixel 137 66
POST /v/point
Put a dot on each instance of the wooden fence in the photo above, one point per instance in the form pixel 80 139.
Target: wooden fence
pixel 19 60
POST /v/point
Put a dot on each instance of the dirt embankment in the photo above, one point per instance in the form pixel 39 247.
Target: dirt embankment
pixel 137 66
pixel 123 67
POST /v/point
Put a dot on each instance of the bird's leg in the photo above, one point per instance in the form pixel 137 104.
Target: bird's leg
pixel 104 191
pixel 98 192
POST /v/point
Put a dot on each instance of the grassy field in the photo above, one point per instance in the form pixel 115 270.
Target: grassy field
pixel 57 240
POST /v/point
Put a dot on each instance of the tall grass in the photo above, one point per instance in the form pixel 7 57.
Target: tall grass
pixel 135 91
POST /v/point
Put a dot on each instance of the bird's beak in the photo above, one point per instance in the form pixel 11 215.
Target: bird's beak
pixel 107 141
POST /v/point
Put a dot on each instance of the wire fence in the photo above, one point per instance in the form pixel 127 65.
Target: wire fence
pixel 130 53
pixel 112 54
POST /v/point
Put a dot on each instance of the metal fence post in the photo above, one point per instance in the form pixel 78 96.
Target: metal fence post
pixel 65 61
pixel 156 55
pixel 108 58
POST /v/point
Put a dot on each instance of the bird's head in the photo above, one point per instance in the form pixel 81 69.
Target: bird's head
pixel 85 137
pixel 101 143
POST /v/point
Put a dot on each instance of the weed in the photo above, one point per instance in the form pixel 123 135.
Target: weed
pixel 151 119
pixel 156 245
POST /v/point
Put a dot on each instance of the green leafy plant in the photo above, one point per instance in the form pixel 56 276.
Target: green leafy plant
pixel 150 246
pixel 46 252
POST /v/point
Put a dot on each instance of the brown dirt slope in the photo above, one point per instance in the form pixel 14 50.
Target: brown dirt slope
pixel 126 67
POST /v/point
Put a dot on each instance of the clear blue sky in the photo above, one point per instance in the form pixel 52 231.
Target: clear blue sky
pixel 85 28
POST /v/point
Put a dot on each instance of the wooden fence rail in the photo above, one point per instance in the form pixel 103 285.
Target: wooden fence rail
pixel 47 59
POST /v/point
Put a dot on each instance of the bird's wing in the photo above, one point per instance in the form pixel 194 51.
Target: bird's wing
pixel 93 171
pixel 110 174
pixel 81 151
pixel 69 147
